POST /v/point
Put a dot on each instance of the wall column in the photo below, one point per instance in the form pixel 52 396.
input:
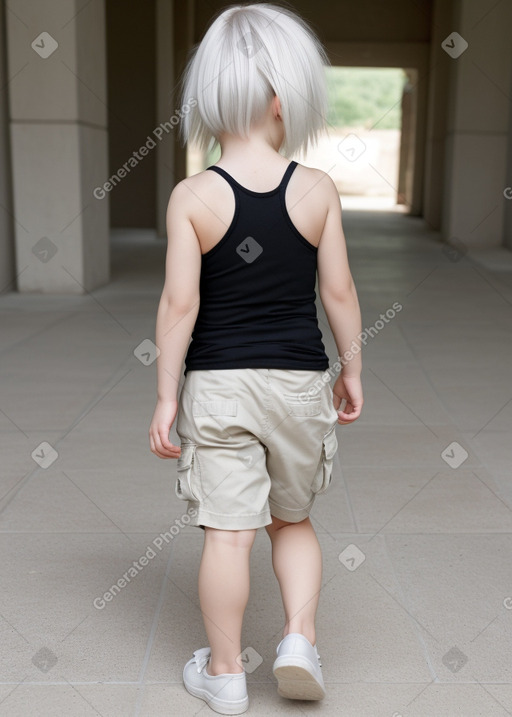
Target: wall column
pixel 437 112
pixel 478 123
pixel 407 144
pixel 507 191
pixel 7 263
pixel 57 91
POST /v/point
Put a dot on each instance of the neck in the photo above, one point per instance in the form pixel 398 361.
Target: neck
pixel 257 148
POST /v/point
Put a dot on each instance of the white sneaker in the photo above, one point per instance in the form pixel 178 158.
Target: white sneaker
pixel 225 694
pixel 298 669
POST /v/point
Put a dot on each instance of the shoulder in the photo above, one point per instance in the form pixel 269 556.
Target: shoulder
pixel 316 185
pixel 315 180
pixel 191 191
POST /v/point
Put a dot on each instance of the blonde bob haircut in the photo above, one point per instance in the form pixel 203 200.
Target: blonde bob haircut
pixel 249 54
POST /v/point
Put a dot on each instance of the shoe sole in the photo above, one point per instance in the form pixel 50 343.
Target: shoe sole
pixel 220 706
pixel 296 682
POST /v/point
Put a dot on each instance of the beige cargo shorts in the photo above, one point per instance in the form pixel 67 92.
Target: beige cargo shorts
pixel 254 443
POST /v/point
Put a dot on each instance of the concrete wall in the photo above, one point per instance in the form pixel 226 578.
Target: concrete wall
pixel 7 264
pixel 360 21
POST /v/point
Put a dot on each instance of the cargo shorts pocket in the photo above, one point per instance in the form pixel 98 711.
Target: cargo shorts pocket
pixel 186 486
pixel 301 404
pixel 323 477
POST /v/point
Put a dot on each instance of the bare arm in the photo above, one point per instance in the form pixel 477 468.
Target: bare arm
pixel 176 316
pixel 339 298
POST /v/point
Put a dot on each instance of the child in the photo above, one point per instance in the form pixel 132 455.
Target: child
pixel 256 413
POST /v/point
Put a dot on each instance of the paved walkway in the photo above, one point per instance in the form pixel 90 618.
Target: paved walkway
pixel 415 615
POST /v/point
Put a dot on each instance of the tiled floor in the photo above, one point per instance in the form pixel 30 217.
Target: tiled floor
pixel 421 624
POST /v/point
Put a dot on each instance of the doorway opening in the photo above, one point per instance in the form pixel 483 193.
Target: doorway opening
pixel 368 147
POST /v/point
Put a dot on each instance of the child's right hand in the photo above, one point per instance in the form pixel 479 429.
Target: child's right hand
pixel 163 418
pixel 350 389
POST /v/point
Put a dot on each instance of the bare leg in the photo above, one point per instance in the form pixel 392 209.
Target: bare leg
pixel 297 563
pixel 223 594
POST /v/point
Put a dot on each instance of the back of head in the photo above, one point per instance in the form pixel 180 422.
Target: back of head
pixel 249 54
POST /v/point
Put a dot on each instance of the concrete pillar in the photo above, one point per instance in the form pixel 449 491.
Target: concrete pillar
pixel 7 263
pixel 507 191
pixel 407 144
pixel 56 62
pixel 437 113
pixel 419 114
pixel 478 122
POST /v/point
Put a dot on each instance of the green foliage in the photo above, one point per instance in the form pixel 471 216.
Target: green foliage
pixel 365 97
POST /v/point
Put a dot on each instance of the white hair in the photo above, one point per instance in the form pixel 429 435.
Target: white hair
pixel 249 54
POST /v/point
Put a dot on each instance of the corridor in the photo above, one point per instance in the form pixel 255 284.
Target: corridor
pixel 415 614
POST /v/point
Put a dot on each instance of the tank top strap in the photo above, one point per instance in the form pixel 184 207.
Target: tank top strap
pixel 229 179
pixel 280 189
pixel 286 176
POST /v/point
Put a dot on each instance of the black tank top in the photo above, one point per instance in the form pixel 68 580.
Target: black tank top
pixel 257 290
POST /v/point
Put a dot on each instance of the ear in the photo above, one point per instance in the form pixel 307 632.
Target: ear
pixel 276 108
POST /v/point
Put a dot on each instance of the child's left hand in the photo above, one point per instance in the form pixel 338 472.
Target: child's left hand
pixel 163 418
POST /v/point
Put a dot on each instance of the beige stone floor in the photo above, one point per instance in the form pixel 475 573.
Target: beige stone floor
pixel 420 628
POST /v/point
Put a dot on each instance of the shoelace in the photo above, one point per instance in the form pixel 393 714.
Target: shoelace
pixel 201 657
